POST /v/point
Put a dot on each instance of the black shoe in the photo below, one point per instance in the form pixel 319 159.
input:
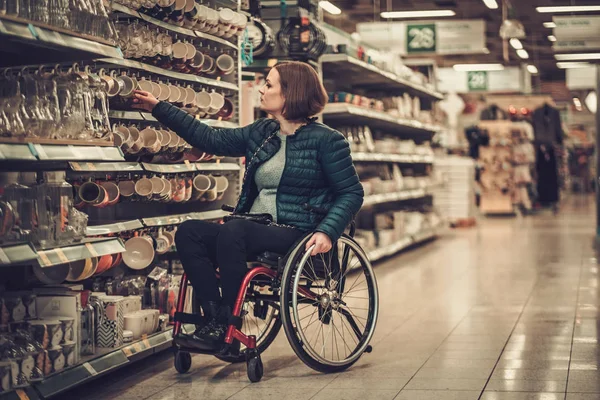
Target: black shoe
pixel 210 337
pixel 194 340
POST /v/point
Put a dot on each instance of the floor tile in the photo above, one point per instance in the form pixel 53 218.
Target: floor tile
pixel 437 395
pixel 521 396
pixel 343 382
pixel 531 374
pixel 252 393
pixel 454 373
pixel 351 394
pixel 445 384
pixel 584 386
pixel 525 386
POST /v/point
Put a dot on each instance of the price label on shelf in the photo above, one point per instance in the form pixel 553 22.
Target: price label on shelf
pixel 44 260
pixel 91 249
pixel 61 255
pixel 90 368
pixel 187 164
pixel 76 166
pixel 21 394
pixel 91 166
pixel 121 227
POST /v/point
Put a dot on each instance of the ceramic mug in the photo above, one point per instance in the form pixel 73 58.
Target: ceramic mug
pixel 222 183
pixel 127 188
pixel 112 189
pixel 139 252
pixel 211 193
pixel 143 188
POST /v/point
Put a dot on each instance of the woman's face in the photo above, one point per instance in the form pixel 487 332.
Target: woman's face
pixel 271 99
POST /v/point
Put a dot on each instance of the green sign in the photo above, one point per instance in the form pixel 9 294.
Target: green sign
pixel 421 38
pixel 477 80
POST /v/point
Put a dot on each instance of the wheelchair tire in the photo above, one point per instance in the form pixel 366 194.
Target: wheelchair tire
pixel 183 361
pixel 254 368
pixel 262 342
pixel 337 305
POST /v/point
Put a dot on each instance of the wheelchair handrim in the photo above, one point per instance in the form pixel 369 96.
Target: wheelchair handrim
pixel 371 322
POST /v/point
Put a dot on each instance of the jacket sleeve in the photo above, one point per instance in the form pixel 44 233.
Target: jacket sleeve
pixel 222 142
pixel 343 179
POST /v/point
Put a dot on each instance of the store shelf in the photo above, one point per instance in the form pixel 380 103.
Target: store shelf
pixel 118 227
pixel 16 152
pixel 170 168
pixel 142 116
pixel 395 196
pixel 393 158
pixel 173 28
pixel 217 166
pixel 20 394
pixel 81 251
pixel 402 244
pixel 122 62
pixel 106 361
pixel 39 43
pixel 178 219
pixel 19 253
pixel 105 166
pixel 349 69
pixel 348 114
pixel 49 152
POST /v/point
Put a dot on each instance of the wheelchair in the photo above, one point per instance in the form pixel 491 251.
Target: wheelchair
pixel 327 304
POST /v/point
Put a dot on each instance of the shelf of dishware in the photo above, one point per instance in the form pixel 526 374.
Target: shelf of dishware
pixel 118 227
pixel 404 243
pixel 393 158
pixel 361 73
pixel 19 394
pixel 410 194
pixel 105 360
pixel 105 166
pixel 58 152
pixel 123 62
pixel 34 33
pixel 144 116
pixel 88 248
pixel 174 28
pixel 347 112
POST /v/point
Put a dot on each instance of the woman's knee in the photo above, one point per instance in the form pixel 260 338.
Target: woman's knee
pixel 191 232
pixel 233 230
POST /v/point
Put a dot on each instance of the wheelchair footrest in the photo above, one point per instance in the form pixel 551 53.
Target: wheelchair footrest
pixel 184 318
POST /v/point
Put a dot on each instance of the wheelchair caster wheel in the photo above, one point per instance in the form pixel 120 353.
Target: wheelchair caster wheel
pixel 183 361
pixel 254 368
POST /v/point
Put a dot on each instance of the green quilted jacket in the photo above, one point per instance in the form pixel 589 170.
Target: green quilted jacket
pixel 318 170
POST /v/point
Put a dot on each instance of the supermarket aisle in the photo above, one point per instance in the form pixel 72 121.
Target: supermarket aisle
pixel 508 311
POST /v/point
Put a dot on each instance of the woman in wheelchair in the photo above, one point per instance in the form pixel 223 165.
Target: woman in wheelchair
pixel 294 165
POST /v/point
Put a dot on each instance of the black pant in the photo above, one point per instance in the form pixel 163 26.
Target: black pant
pixel 204 246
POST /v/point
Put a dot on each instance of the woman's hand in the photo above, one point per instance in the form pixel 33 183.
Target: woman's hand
pixel 144 100
pixel 321 241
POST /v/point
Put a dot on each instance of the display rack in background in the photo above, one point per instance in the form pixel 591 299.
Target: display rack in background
pixel 455 200
pixel 96 190
pixel 389 121
pixel 506 165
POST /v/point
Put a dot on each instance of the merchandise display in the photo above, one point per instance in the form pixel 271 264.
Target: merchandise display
pixel 456 198
pixel 93 190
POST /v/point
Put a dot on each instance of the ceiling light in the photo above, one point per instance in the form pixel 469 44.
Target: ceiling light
pixel 550 25
pixel 568 65
pixel 567 9
pixel 552 38
pixel 591 102
pixel 418 14
pixel 532 69
pixel 577 56
pixel 478 67
pixel 329 7
pixel 516 43
pixel 523 54
pixel 577 103
pixel 493 4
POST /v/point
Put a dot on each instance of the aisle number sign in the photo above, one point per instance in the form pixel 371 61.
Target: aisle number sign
pixel 421 38
pixel 477 81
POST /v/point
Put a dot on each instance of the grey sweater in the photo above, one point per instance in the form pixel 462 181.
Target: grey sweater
pixel 267 179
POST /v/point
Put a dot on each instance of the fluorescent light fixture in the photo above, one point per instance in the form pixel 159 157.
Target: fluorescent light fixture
pixel 523 54
pixel 329 7
pixel 532 69
pixel 569 65
pixel 418 14
pixel 577 56
pixel 493 4
pixel 577 103
pixel 550 25
pixel 567 9
pixel 486 51
pixel 478 67
pixel 552 38
pixel 516 44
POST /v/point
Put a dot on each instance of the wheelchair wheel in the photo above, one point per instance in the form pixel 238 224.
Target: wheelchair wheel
pixel 329 305
pixel 261 319
pixel 183 361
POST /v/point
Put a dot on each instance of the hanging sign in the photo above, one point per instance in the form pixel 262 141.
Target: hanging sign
pixel 477 81
pixel 577 28
pixel 426 37
pixel 567 45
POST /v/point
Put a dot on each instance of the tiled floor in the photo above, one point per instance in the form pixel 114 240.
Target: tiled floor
pixel 505 311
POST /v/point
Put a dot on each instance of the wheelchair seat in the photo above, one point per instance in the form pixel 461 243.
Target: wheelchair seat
pixel 269 258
